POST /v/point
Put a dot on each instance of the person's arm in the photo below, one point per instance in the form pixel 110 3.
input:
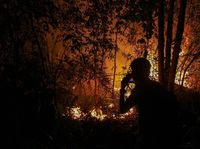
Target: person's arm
pixel 126 105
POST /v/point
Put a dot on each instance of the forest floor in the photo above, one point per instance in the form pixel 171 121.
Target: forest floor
pixel 118 134
pixel 108 134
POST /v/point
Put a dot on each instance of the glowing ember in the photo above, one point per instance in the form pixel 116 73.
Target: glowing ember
pixel 98 114
pixel 132 111
pixel 76 112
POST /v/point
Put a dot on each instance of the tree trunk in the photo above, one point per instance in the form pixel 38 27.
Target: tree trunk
pixel 169 42
pixel 115 65
pixel 95 76
pixel 188 66
pixel 38 44
pixel 177 46
pixel 161 42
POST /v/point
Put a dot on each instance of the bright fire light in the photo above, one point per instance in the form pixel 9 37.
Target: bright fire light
pixel 98 114
pixel 132 111
pixel 77 114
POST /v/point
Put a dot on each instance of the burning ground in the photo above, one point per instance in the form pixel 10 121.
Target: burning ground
pixel 96 134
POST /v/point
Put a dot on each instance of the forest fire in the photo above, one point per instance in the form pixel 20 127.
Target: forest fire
pixel 66 73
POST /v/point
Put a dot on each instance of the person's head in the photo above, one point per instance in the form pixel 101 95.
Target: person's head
pixel 140 69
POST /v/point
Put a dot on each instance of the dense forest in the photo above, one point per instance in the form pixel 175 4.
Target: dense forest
pixel 62 61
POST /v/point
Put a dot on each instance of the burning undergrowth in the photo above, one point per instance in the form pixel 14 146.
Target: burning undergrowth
pixel 99 113
pixel 99 128
pixel 83 107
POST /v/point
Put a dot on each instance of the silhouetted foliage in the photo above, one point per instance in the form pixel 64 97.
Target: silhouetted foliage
pixel 53 54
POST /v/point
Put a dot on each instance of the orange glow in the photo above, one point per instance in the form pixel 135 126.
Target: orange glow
pixel 98 114
pixel 77 114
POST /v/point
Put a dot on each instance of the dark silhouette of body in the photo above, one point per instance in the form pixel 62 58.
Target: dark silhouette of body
pixel 156 108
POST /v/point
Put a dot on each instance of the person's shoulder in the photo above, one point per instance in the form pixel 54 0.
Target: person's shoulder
pixel 155 84
pixel 157 87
